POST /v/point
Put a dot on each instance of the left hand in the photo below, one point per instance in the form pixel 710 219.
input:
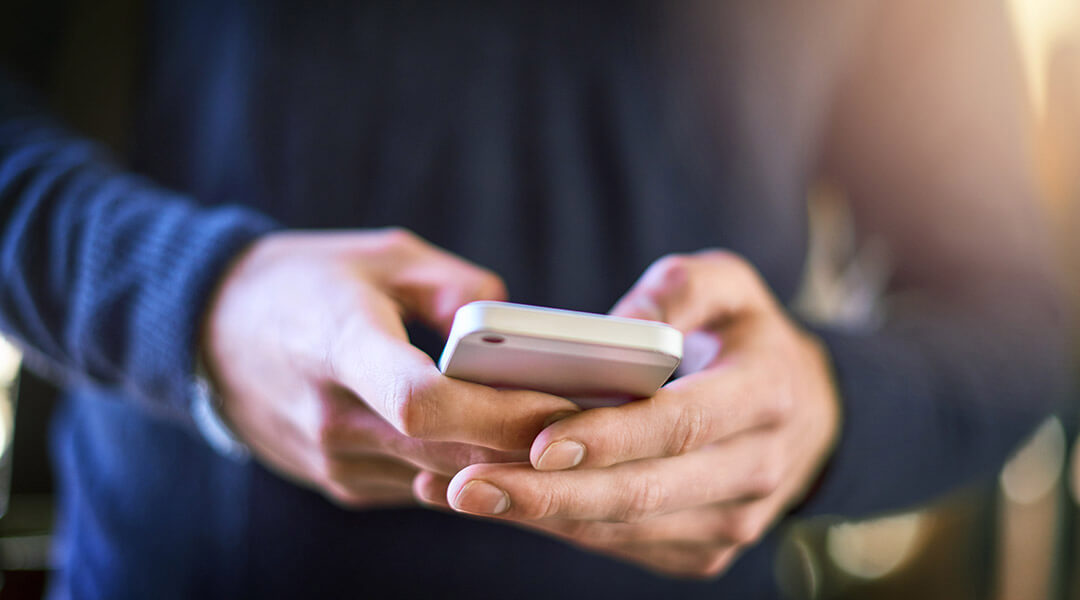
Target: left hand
pixel 679 482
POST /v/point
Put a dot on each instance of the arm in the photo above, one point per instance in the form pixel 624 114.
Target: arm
pixel 927 137
pixel 112 281
pixel 105 275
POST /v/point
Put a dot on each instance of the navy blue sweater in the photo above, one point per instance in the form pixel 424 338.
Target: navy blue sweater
pixel 564 146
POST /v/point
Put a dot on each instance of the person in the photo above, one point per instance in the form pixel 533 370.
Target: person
pixel 311 191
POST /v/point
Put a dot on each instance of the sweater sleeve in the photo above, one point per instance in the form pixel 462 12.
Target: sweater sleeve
pixel 105 275
pixel 927 137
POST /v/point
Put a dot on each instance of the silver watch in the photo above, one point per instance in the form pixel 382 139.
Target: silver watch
pixel 206 412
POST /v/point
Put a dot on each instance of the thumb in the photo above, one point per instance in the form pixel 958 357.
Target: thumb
pixel 695 291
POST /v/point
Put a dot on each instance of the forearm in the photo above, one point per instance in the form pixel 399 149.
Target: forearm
pixel 105 275
pixel 940 397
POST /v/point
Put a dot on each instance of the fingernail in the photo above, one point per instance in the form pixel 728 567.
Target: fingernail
pixel 559 416
pixel 481 497
pixel 560 455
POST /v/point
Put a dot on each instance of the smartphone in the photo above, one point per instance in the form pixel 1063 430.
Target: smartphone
pixel 572 354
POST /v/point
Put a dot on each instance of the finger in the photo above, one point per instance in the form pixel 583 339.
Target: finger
pixel 631 492
pixel 687 414
pixel 353 474
pixel 686 543
pixel 366 482
pixel 705 537
pixel 726 523
pixel 429 282
pixel 360 432
pixel 444 458
pixel 404 386
pixel 695 291
pixel 430 489
pixel 705 525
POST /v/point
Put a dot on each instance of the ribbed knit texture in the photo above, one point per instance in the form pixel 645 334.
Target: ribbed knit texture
pixel 104 276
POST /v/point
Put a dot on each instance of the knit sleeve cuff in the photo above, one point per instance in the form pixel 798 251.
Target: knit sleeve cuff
pixel 177 258
pixel 885 457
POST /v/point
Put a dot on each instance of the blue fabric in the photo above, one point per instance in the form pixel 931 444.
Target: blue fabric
pixel 105 274
pixel 565 147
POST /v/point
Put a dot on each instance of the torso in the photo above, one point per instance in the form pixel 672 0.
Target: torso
pixel 564 145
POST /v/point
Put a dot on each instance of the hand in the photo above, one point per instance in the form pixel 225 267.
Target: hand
pixel 682 481
pixel 306 342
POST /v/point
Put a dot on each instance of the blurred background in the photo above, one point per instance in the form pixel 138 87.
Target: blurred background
pixel 1015 538
pixel 1019 537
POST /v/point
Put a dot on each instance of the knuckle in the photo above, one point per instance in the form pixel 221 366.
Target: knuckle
pixel 672 271
pixel 543 505
pixel 409 417
pixel 768 408
pixel 645 499
pixel 765 480
pixel 413 407
pixel 690 430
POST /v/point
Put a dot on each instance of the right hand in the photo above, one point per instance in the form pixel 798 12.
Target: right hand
pixel 306 342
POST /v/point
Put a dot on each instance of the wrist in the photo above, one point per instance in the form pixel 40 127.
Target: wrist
pixel 209 418
pixel 206 400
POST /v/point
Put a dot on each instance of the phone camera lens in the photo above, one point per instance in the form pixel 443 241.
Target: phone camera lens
pixel 493 339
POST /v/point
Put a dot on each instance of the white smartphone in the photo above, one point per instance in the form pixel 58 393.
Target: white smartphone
pixel 572 354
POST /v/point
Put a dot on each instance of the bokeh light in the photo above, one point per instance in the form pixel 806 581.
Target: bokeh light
pixel 1035 470
pixel 873 549
pixel 1040 27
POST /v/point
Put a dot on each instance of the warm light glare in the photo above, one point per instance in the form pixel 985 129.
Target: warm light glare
pixel 875 548
pixel 10 359
pixel 1074 473
pixel 811 572
pixel 1040 26
pixel 1036 469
